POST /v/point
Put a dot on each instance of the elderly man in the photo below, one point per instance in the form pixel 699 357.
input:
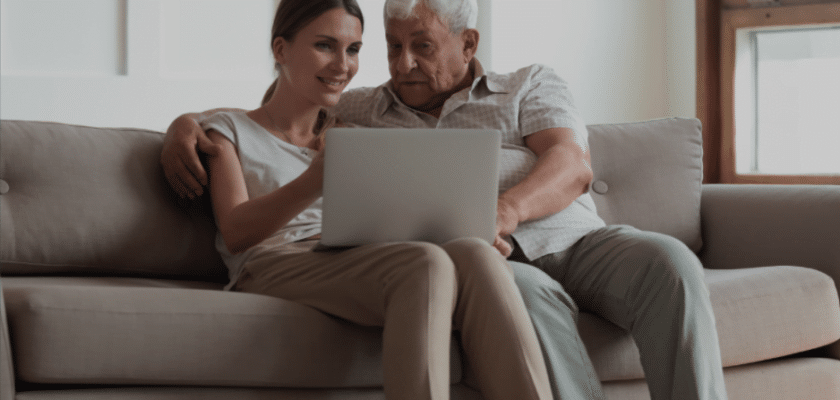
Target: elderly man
pixel 647 283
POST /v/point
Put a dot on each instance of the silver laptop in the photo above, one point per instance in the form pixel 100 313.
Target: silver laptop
pixel 386 185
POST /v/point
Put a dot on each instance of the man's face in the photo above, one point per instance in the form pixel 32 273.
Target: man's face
pixel 427 62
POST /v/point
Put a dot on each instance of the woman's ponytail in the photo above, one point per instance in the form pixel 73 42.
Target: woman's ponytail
pixel 270 91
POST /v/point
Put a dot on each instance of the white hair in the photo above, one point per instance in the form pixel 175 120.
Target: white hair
pixel 458 14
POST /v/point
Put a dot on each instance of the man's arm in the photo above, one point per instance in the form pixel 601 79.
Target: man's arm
pixel 562 173
pixel 179 157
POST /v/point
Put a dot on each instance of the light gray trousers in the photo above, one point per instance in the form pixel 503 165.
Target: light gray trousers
pixel 647 283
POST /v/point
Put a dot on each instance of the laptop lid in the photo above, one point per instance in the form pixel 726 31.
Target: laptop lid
pixel 386 185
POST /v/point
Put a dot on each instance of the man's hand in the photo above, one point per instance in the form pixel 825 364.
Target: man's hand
pixel 507 219
pixel 502 247
pixel 560 175
pixel 179 156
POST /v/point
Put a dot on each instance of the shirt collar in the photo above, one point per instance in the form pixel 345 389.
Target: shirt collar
pixel 482 85
pixel 491 82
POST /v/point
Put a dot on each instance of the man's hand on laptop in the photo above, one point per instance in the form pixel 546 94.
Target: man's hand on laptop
pixel 502 246
pixel 507 220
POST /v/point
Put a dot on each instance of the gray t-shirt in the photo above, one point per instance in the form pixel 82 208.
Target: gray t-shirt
pixel 268 163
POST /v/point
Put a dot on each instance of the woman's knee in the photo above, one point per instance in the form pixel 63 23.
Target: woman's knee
pixel 468 246
pixel 424 262
pixel 418 282
pixel 474 258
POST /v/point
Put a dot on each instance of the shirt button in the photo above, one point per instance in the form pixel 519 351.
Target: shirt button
pixel 600 187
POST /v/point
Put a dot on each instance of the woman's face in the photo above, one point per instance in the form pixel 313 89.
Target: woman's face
pixel 319 63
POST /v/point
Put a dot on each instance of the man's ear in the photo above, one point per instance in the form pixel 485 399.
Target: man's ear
pixel 470 38
pixel 277 47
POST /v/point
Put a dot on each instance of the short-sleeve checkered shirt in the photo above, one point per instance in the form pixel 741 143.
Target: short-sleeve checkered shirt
pixel 517 104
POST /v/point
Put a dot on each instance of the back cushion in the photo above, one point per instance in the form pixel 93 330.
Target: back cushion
pixel 649 175
pixel 82 200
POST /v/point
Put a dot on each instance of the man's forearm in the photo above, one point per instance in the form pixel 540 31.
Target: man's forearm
pixel 559 177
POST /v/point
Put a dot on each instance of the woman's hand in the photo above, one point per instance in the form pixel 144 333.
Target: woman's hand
pixel 314 175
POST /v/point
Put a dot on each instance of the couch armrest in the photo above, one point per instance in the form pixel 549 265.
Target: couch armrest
pixel 757 225
pixel 7 374
pixel 760 225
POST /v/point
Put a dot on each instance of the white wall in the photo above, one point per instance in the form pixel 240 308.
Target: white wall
pixel 137 63
pixel 625 60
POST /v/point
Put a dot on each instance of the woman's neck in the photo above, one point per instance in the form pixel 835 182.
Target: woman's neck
pixel 290 114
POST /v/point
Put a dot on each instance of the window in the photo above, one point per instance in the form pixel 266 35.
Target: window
pixel 796 129
pixel 780 94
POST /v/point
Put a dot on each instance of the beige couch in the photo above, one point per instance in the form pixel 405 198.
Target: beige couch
pixel 112 286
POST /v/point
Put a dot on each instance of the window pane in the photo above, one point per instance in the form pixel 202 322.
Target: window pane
pixel 798 101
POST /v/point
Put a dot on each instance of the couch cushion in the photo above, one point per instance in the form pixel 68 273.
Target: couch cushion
pixel 649 175
pixel 799 378
pixel 93 200
pixel 125 331
pixel 761 313
pixel 458 391
pixel 142 331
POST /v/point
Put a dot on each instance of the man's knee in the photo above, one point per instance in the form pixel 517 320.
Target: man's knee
pixel 670 256
pixel 539 290
pixel 672 263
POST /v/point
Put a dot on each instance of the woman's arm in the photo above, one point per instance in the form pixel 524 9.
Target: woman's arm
pixel 244 222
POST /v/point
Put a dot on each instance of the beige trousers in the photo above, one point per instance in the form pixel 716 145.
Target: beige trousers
pixel 418 292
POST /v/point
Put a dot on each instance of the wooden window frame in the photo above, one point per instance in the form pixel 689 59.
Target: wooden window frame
pixel 717 23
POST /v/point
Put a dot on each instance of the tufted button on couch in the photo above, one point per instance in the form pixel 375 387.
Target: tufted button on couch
pixel 111 287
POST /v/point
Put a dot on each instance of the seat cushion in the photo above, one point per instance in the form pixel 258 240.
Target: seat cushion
pixel 792 378
pixel 761 314
pixel 144 331
pixel 649 175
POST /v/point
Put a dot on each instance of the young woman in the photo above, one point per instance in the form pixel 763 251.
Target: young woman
pixel 265 185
